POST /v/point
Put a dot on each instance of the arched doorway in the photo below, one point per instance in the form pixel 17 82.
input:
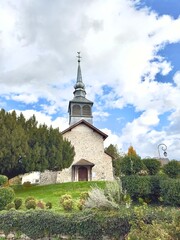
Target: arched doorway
pixel 82 174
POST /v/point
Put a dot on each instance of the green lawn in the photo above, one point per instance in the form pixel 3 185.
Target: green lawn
pixel 53 192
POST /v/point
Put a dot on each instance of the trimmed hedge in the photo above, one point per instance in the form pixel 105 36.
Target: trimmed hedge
pixel 137 186
pixel 89 225
pixel 3 179
pixel 170 191
pixel 41 223
pixel 6 196
pixel 153 188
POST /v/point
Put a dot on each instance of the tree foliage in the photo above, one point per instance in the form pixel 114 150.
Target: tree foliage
pixel 172 169
pixel 153 165
pixel 117 157
pixel 27 146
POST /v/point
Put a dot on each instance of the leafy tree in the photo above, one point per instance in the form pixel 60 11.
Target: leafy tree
pixel 26 147
pixel 132 163
pixel 172 169
pixel 117 157
pixel 153 165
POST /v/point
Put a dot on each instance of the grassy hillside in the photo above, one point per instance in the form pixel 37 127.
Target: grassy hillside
pixel 53 192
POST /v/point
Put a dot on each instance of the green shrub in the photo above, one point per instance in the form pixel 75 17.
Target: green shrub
pixel 10 206
pixel 49 205
pixel 31 204
pixel 29 198
pixel 66 202
pixel 152 165
pixel 18 203
pixel 84 195
pixel 137 186
pixel 6 196
pixel 89 225
pixel 155 181
pixel 172 169
pixel 3 179
pixel 170 191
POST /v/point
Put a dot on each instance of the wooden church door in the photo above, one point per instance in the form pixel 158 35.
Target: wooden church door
pixel 82 174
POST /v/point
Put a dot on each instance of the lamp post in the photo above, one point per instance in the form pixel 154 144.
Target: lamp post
pixel 163 148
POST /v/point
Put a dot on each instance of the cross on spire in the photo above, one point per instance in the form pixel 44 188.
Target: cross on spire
pixel 79 57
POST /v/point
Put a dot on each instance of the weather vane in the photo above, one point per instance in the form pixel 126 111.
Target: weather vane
pixel 79 57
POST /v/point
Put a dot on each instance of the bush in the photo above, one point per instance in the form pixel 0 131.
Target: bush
pixel 132 165
pixel 152 165
pixel 3 179
pixel 48 205
pixel 10 206
pixel 6 196
pixel 110 198
pixel 31 204
pixel 67 202
pixel 137 186
pixel 172 169
pixel 89 225
pixel 170 191
pixel 40 204
pixel 18 203
pixel 29 198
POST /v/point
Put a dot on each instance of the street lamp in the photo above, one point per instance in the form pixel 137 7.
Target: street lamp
pixel 163 148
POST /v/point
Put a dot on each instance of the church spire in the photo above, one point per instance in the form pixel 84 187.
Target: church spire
pixel 79 86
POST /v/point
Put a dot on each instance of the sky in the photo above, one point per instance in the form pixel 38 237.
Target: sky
pixel 130 66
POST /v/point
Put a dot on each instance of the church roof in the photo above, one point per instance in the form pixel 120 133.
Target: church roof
pixel 83 162
pixel 82 121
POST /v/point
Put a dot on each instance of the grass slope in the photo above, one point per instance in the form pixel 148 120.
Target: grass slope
pixel 53 192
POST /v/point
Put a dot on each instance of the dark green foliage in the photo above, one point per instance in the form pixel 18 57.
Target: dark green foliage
pixel 26 147
pixel 3 179
pixel 117 157
pixel 6 196
pixel 89 225
pixel 49 205
pixel 29 198
pixel 18 203
pixel 131 165
pixel 153 189
pixel 10 206
pixel 31 204
pixel 152 165
pixel 155 181
pixel 170 191
pixel 137 186
pixel 172 169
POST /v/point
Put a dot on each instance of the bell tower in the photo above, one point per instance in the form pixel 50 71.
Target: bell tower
pixel 80 107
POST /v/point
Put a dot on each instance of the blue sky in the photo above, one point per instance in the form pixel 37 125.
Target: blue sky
pixel 130 66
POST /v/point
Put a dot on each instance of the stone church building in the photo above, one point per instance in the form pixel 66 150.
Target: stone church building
pixel 90 161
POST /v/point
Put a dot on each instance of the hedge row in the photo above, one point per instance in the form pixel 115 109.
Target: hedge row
pixel 153 188
pixel 42 223
pixel 89 225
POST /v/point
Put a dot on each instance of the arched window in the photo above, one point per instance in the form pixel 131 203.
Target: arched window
pixel 76 110
pixel 86 110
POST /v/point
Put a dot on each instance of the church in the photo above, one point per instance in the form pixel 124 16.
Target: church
pixel 90 163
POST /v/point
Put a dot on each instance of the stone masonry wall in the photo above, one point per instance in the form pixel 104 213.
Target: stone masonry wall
pixel 88 145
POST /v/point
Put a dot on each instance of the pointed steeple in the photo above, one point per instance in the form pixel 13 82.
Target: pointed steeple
pixel 80 107
pixel 79 86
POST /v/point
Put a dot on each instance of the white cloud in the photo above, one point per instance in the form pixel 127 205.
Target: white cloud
pixel 119 44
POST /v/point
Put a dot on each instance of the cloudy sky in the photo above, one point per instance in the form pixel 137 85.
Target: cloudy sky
pixel 130 65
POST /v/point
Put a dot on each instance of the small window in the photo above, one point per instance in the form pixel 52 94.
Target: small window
pixel 76 110
pixel 86 110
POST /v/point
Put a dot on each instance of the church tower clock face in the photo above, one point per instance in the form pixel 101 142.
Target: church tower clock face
pixel 80 107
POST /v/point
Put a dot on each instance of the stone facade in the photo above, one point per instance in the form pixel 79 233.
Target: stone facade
pixel 89 147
